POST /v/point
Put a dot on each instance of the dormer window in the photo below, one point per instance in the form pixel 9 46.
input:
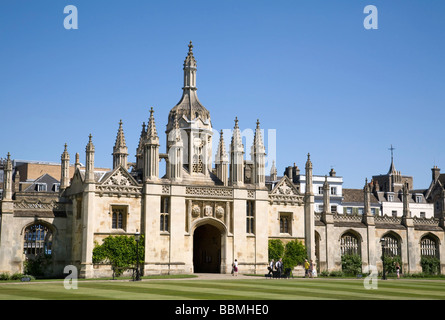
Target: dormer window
pixel 391 198
pixel 41 187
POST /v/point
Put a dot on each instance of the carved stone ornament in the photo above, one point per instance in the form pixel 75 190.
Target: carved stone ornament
pixel 208 211
pixel 196 210
pixel 118 179
pixel 219 212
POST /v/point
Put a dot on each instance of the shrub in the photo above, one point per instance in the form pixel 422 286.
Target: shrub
pixel 430 265
pixel 120 251
pixel 36 266
pixel 336 274
pixel 294 254
pixel 276 249
pixel 5 276
pixel 390 264
pixel 351 264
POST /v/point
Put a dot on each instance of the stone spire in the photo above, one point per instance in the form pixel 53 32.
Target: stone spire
pixel 367 218
pixel 65 169
pixel 140 148
pixel 405 198
pixel 237 157
pixel 258 154
pixel 326 196
pixel 120 150
pixel 89 166
pixel 327 214
pixel 77 163
pixel 309 187
pixel 151 151
pixel 152 134
pixel 273 172
pixel 309 224
pixel 190 70
pixel 7 179
pixel 222 161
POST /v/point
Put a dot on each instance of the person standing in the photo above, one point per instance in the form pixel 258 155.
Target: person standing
pixel 306 268
pixel 279 267
pixel 398 270
pixel 235 268
pixel 270 267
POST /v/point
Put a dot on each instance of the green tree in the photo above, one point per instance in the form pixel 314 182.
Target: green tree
pixel 294 254
pixel 120 251
pixel 276 249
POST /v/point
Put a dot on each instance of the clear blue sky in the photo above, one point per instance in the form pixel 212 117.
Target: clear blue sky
pixel 308 69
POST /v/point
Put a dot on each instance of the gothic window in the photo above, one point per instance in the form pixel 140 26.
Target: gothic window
pixel 391 246
pixel 333 190
pixel 119 217
pixel 165 214
pixel 349 244
pixel 285 223
pixel 429 247
pixel 38 240
pixel 198 166
pixel 250 217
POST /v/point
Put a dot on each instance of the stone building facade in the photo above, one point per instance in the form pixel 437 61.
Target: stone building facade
pixel 200 216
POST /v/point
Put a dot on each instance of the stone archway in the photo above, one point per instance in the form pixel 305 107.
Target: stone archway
pixel 207 249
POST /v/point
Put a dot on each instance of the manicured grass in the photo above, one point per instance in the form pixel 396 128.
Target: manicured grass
pixel 233 289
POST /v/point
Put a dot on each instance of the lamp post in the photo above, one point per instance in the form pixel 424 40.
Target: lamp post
pixel 382 242
pixel 137 237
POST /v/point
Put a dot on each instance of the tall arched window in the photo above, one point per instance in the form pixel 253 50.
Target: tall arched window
pixel 429 247
pixel 392 246
pixel 349 244
pixel 38 240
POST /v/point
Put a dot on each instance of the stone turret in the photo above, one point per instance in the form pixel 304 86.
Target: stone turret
pixel 120 150
pixel 222 161
pixel 89 166
pixel 236 157
pixel 151 151
pixel 258 155
pixel 65 169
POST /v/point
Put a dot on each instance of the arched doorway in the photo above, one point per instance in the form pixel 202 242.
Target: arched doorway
pixel 207 249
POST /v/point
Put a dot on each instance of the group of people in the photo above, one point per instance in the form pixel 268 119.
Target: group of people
pixel 310 269
pixel 277 266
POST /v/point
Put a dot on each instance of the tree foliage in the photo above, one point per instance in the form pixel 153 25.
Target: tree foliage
pixel 276 249
pixel 293 253
pixel 120 251
pixel 351 264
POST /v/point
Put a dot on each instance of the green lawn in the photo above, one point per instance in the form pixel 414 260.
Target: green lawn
pixel 233 289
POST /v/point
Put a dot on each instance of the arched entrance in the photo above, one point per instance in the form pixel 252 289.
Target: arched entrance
pixel 207 249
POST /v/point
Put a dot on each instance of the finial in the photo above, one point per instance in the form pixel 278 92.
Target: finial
pixel 257 123
pixel 9 156
pixel 236 122
pixel 190 47
pixel 151 111
pixel 120 122
pixel 66 146
pixel 90 136
pixel 309 156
